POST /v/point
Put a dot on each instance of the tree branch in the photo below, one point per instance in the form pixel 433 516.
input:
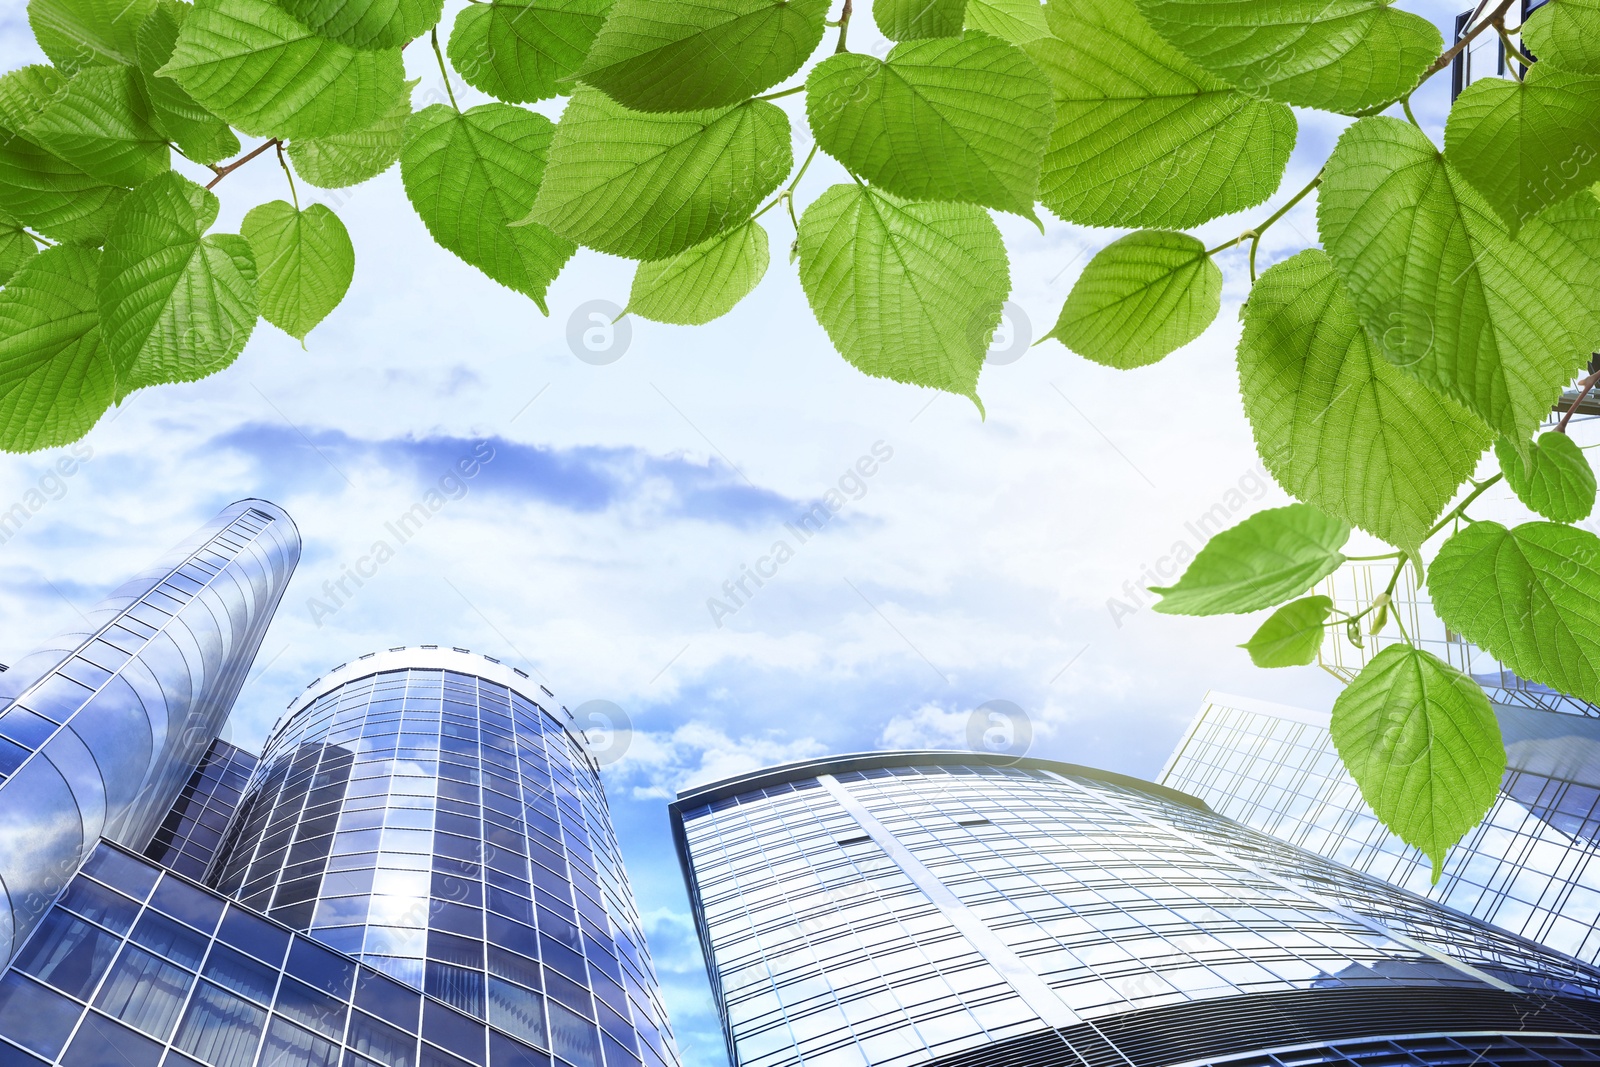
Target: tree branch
pixel 1583 391
pixel 228 168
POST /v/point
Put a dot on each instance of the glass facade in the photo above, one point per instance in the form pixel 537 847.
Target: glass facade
pixel 188 838
pixel 1532 867
pixel 955 908
pixel 102 726
pixel 431 813
pixel 137 967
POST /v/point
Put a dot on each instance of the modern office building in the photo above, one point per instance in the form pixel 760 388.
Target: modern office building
pixel 419 872
pixel 967 910
pixel 104 724
pixel 432 814
pixel 1532 866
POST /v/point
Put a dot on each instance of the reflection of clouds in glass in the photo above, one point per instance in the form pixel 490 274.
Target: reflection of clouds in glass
pixel 401 883
pixel 394 910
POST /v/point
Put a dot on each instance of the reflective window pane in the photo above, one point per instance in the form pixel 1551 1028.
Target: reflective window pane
pixel 68 953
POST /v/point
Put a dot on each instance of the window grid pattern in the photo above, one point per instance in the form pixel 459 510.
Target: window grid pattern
pixel 1532 867
pixel 59 695
pixel 825 953
pixel 188 838
pixel 1499 1050
pixel 142 968
pixel 448 830
pixel 103 725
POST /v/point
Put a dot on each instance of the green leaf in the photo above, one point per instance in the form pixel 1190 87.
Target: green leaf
pixel 471 176
pixel 1338 55
pixel 368 24
pixel 1143 137
pixel 649 186
pixel 198 133
pixel 175 305
pixel 342 159
pixel 24 92
pixel 1141 297
pixel 701 283
pixel 251 63
pixel 910 20
pixel 949 119
pixel 908 291
pixel 1530 596
pixel 1422 742
pixel 1566 35
pixel 40 189
pixel 1526 144
pixel 1017 21
pixel 1338 425
pixel 667 55
pixel 1264 560
pixel 80 33
pixel 517 50
pixel 56 378
pixel 1555 479
pixel 305 262
pixel 1292 635
pixel 16 247
pixel 98 122
pixel 1501 325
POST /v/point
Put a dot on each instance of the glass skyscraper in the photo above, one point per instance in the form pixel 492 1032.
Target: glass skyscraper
pixel 435 815
pixel 1532 866
pixel 420 871
pixel 103 725
pixel 970 910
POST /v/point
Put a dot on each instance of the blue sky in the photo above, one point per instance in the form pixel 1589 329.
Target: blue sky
pixel 974 564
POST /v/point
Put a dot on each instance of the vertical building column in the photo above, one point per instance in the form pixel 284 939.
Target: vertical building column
pixel 103 725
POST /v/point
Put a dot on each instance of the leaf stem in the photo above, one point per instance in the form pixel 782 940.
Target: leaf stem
pixel 287 173
pixel 1511 46
pixel 228 168
pixel 844 27
pixel 1254 233
pixel 1405 102
pixel 1460 509
pixel 1372 559
pixel 784 92
pixel 443 73
pixel 1583 391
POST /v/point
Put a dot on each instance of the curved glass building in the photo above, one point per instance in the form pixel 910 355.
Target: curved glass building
pixel 434 814
pixel 102 727
pixel 957 909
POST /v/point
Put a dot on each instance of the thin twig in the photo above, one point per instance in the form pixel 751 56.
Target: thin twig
pixel 228 168
pixel 1450 53
pixel 844 27
pixel 1583 391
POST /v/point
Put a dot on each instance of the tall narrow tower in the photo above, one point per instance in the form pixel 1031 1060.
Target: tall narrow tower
pixel 434 814
pixel 103 725
pixel 948 909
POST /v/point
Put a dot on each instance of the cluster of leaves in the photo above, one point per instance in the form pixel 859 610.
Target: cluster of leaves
pixel 1453 297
